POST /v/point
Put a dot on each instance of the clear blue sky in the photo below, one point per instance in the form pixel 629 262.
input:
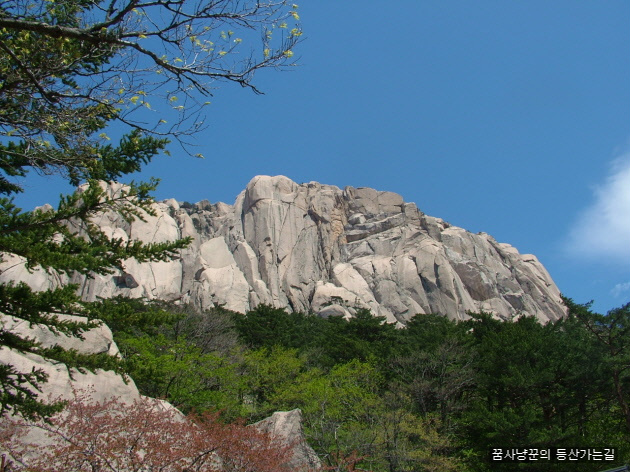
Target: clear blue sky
pixel 508 117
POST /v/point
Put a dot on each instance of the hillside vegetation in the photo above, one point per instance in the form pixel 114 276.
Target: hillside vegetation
pixel 433 396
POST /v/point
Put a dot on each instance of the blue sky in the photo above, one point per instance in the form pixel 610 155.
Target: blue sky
pixel 511 118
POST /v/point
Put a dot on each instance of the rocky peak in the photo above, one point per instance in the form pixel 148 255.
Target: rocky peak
pixel 316 248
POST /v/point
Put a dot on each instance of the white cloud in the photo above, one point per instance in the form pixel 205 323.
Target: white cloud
pixel 602 230
pixel 620 289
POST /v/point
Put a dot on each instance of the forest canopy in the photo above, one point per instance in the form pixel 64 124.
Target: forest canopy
pixel 435 395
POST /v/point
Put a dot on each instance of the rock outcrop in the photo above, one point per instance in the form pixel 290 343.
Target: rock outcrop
pixel 317 248
pixel 63 382
pixel 285 428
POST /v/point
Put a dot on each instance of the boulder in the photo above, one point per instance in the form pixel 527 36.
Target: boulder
pixel 285 427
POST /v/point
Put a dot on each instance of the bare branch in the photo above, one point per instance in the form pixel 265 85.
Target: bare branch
pixel 114 52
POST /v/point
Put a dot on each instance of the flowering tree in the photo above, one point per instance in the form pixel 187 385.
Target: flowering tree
pixel 145 436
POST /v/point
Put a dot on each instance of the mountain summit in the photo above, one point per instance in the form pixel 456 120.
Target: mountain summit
pixel 317 248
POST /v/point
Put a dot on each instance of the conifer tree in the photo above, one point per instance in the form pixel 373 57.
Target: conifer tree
pixel 69 69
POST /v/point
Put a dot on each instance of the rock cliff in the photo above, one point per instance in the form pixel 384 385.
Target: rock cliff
pixel 318 248
pixel 63 382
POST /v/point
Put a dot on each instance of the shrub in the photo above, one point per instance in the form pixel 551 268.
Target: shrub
pixel 144 436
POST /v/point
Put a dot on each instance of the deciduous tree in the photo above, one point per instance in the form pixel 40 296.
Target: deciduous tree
pixel 143 436
pixel 68 70
pixel 69 66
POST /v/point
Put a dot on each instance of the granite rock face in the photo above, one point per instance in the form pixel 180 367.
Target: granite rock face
pixel 318 248
pixel 285 428
pixel 64 382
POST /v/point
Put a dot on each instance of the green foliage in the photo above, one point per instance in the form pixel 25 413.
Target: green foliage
pixel 340 408
pixel 48 123
pixel 42 307
pixel 409 442
pixel 69 67
pixel 177 371
pixel 177 354
pixel 364 337
pixel 428 332
pixel 327 341
pixel 266 326
pixel 16 394
pixel 18 389
pixel 50 240
pixel 439 395
pixel 541 386
pixel 438 381
pixel 346 405
pixel 131 316
pixel 433 396
pixel 611 336
pixel 268 371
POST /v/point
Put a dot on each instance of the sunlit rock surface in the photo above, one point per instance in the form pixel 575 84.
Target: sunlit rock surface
pixel 63 382
pixel 317 248
pixel 285 428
